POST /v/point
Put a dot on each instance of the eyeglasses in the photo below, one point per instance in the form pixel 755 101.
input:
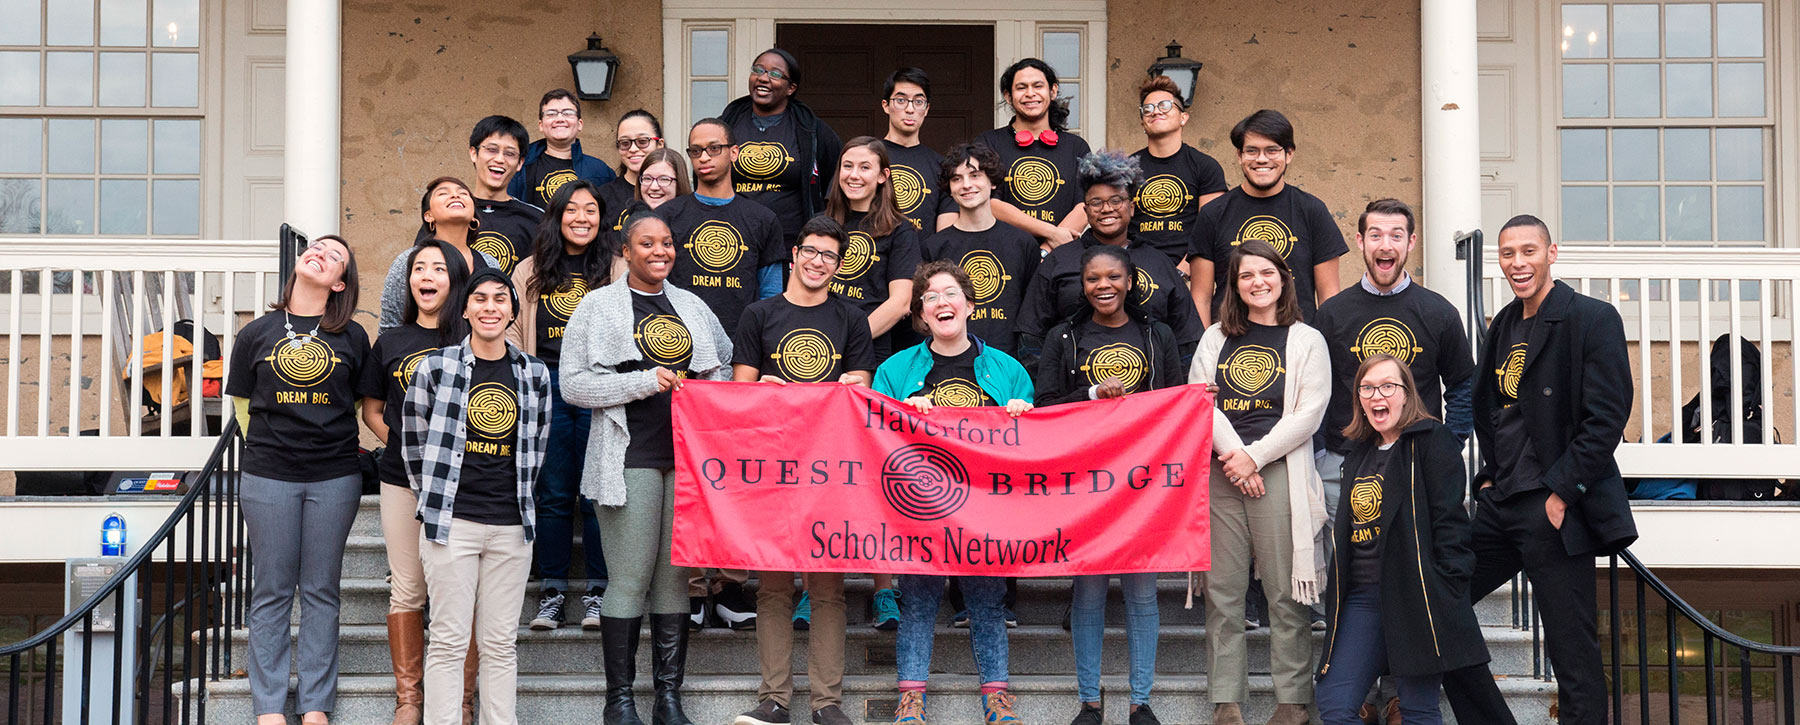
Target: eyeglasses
pixel 1385 390
pixel 902 102
pixel 695 152
pixel 642 142
pixel 507 153
pixel 1109 202
pixel 810 253
pixel 330 253
pixel 656 180
pixel 1271 152
pixel 560 112
pixel 949 295
pixel 1163 106
pixel 773 74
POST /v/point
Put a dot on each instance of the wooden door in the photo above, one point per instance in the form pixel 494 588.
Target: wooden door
pixel 844 67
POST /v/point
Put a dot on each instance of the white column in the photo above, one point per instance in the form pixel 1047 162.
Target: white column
pixel 1452 148
pixel 314 123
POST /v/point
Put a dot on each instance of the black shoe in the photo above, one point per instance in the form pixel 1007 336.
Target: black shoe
pixel 668 663
pixel 550 611
pixel 619 647
pixel 1089 715
pixel 590 609
pixel 766 713
pixel 696 614
pixel 831 715
pixel 1143 716
pixel 735 606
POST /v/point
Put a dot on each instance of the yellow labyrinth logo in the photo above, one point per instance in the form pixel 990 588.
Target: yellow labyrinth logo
pixel 1365 500
pixel 716 246
pixel 495 244
pixel 1144 286
pixel 805 356
pixel 859 255
pixel 492 410
pixel 1033 180
pixel 562 303
pixel 1163 195
pixel 553 182
pixel 1511 370
pixel 1118 360
pixel 664 340
pixel 1268 229
pixel 956 393
pixel 410 365
pixel 1386 336
pixel 1251 368
pixel 986 274
pixel 762 160
pixel 302 365
pixel 909 188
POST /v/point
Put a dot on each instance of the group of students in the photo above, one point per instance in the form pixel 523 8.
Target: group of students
pixel 523 374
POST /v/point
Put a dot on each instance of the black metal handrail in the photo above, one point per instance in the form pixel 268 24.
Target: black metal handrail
pixel 205 583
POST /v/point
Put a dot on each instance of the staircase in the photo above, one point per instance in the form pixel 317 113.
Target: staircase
pixel 560 676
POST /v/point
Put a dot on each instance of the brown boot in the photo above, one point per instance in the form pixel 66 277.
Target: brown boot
pixel 406 646
pixel 1392 711
pixel 471 668
pixel 1286 714
pixel 1368 714
pixel 1227 713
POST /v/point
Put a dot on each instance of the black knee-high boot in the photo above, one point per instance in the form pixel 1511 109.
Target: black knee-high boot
pixel 668 642
pixel 619 647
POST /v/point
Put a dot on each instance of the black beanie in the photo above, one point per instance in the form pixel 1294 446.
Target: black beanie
pixel 491 274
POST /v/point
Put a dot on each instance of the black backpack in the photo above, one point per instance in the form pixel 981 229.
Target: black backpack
pixel 1724 423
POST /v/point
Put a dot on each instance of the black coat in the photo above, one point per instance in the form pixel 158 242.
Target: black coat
pixel 818 152
pixel 1426 617
pixel 1058 370
pixel 1576 389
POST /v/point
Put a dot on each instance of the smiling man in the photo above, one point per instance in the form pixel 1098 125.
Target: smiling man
pixel 505 224
pixel 556 159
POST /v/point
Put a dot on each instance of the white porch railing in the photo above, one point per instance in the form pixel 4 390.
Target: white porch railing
pixel 1675 303
pixel 77 312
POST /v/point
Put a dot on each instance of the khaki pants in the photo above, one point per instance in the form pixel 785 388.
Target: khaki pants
pixel 824 641
pixel 400 528
pixel 1243 527
pixel 476 583
pixel 697 584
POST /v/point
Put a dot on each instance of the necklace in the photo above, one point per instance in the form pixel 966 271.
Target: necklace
pixel 294 340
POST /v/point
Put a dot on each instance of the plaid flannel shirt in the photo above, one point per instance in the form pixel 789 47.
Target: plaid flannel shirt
pixel 434 429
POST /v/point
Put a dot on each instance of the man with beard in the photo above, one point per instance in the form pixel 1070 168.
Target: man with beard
pixel 504 224
pixel 556 159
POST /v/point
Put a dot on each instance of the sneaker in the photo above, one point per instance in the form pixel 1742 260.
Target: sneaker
pixel 1012 619
pixel 997 708
pixel 1143 716
pixel 590 609
pixel 735 607
pixel 803 612
pixel 911 710
pixel 1089 715
pixel 1318 621
pixel 961 620
pixel 550 611
pixel 887 609
pixel 831 715
pixel 766 713
pixel 696 613
pixel 1250 624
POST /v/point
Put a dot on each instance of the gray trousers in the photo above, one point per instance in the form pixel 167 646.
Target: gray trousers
pixel 636 543
pixel 297 533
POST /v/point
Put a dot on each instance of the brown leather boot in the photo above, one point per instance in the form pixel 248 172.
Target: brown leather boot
pixel 1392 711
pixel 406 646
pixel 471 668
pixel 1288 714
pixel 1227 713
pixel 1368 714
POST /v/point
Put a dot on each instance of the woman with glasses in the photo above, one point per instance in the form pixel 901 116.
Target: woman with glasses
pixel 786 153
pixel 664 178
pixel 639 133
pixel 1108 181
pixel 1178 179
pixel 1039 155
pixel 1398 599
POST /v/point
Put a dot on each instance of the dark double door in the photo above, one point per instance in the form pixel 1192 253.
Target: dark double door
pixel 844 67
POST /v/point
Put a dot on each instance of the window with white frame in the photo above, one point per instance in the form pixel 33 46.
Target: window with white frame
pixel 1061 48
pixel 709 70
pixel 1666 129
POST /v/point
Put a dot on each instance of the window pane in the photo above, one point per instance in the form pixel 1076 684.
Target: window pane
pixel 22 21
pixel 1584 91
pixel 121 79
pixel 1584 31
pixel 122 206
pixel 1689 209
pixel 1634 154
pixel 124 146
pixel 175 80
pixel 18 78
pixel 1063 52
pixel 1584 213
pixel 23 152
pixel 1635 31
pixel 69 79
pixel 122 22
pixel 176 25
pixel 175 207
pixel 1072 91
pixel 71 22
pixel 1688 152
pixel 1583 154
pixel 1740 30
pixel 177 147
pixel 1740 154
pixel 1740 213
pixel 19 205
pixel 71 146
pixel 1740 89
pixel 69 207
pixel 1637 89
pixel 1690 90
pixel 707 97
pixel 709 53
pixel 1689 31
pixel 1635 217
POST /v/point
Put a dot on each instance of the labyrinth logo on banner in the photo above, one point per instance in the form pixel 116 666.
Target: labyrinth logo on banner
pixel 838 478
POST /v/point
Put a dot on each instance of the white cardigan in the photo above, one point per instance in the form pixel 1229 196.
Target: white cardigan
pixel 1305 392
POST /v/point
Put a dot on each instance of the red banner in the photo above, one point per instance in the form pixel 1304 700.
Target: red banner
pixel 827 477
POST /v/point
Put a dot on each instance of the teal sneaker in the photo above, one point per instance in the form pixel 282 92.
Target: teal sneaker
pixel 887 609
pixel 997 708
pixel 803 612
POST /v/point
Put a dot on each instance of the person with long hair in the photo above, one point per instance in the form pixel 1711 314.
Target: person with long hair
pixel 637 135
pixel 296 377
pixel 1405 524
pixel 1273 377
pixel 447 212
pixel 505 224
pixel 628 346
pixel 877 267
pixel 1179 180
pixel 1039 155
pixel 570 256
pixel 952 369
pixel 664 178
pixel 786 153
pixel 1001 259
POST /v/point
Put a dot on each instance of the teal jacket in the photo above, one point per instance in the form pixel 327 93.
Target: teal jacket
pixel 1001 377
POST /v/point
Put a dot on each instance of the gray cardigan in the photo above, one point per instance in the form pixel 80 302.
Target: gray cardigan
pixel 596 342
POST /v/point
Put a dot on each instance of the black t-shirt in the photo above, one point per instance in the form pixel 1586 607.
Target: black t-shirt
pixel 1518 469
pixel 1055 292
pixel 869 263
pixel 768 171
pixel 545 176
pixel 1103 352
pixel 663 339
pixel 555 308
pixel 617 196
pixel 397 354
pixel 302 394
pixel 1000 262
pixel 914 171
pixel 1366 498
pixel 1040 180
pixel 1416 325
pixel 803 344
pixel 1296 223
pixel 1168 202
pixel 506 230
pixel 487 492
pixel 1253 380
pixel 952 383
pixel 719 249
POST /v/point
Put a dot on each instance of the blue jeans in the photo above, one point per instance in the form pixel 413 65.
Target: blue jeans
pixel 1088 620
pixel 558 487
pixel 1358 657
pixel 920 595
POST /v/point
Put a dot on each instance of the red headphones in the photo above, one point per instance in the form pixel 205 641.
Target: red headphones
pixel 1024 138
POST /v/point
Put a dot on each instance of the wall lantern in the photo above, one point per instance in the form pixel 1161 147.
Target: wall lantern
pixel 595 70
pixel 1185 72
